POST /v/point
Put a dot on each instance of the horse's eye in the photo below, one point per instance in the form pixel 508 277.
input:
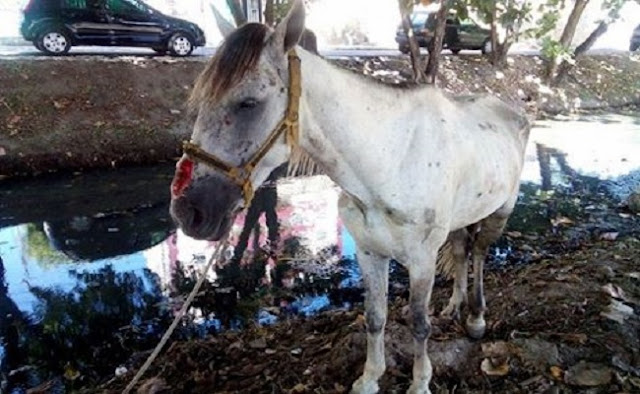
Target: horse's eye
pixel 248 103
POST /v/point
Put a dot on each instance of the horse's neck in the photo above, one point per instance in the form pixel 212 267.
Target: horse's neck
pixel 356 128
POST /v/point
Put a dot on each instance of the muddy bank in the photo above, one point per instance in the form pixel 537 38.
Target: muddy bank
pixel 567 325
pixel 89 112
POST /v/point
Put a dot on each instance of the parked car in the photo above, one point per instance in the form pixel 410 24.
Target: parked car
pixel 54 26
pixel 459 34
pixel 635 40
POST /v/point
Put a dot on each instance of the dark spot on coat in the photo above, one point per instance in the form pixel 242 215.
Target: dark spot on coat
pixel 479 195
pixel 438 164
pixel 430 164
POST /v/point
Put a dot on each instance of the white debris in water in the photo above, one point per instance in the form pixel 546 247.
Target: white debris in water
pixel 121 370
pixel 499 75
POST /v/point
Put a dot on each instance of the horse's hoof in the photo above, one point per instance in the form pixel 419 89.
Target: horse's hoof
pixel 362 386
pixel 476 327
pixel 422 388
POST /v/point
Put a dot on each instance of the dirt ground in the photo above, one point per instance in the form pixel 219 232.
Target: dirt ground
pixel 78 113
pixel 568 324
pixel 563 294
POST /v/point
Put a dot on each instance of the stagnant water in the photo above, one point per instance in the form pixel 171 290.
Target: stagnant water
pixel 92 269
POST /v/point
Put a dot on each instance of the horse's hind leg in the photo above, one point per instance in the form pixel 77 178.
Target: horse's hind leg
pixel 490 230
pixel 375 275
pixel 457 256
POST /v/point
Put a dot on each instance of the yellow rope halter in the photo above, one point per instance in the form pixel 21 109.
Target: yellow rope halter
pixel 289 126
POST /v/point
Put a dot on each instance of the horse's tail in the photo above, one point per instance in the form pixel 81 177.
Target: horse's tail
pixel 463 238
pixel 446 263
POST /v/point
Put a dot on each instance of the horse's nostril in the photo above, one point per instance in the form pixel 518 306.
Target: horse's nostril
pixel 198 218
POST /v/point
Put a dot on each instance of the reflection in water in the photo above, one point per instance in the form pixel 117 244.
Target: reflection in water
pixel 77 337
pixel 109 235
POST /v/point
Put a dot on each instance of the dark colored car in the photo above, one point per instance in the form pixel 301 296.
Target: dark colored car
pixel 54 26
pixel 635 39
pixel 459 34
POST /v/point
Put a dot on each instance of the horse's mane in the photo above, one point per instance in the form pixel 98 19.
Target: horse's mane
pixel 238 54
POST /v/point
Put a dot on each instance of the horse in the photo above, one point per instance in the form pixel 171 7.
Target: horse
pixel 418 169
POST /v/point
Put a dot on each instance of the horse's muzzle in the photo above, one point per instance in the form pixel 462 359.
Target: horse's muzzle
pixel 206 208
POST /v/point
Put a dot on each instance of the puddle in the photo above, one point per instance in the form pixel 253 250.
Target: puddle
pixel 93 268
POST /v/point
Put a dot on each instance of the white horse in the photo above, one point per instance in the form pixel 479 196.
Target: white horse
pixel 416 168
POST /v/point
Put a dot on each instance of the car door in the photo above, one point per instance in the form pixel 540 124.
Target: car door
pixel 133 23
pixel 470 35
pixel 87 21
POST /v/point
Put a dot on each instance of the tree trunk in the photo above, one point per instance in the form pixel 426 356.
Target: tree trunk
pixel 593 37
pixel 269 13
pixel 494 36
pixel 570 28
pixel 435 46
pixel 565 67
pixel 416 62
pixel 237 11
pixel 567 36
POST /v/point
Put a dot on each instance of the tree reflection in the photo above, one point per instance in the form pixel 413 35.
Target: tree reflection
pixel 39 248
pixel 82 335
pixel 12 323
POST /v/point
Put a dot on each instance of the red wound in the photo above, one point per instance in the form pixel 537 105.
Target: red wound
pixel 182 178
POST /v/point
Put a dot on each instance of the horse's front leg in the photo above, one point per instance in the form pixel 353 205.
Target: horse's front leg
pixel 375 275
pixel 422 270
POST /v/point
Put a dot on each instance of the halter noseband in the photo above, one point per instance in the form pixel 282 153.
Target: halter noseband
pixel 289 126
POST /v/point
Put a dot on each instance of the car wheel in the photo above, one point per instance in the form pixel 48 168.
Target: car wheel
pixel 455 51
pixel 404 49
pixel 53 41
pixel 181 45
pixel 486 47
pixel 36 44
pixel 634 46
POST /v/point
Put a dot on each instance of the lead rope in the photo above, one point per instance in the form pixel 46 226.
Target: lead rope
pixel 179 316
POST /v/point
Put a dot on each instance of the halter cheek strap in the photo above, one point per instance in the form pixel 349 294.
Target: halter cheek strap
pixel 289 126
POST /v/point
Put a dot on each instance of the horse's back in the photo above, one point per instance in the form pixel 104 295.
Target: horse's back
pixel 489 110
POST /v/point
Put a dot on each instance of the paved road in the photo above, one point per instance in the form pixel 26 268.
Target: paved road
pixel 28 51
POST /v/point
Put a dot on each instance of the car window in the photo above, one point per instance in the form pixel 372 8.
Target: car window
pixel 126 7
pixel 467 22
pixel 75 4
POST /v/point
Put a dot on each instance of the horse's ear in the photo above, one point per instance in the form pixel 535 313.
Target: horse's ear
pixel 225 27
pixel 288 32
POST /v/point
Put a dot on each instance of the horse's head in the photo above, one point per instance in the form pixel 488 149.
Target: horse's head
pixel 242 100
